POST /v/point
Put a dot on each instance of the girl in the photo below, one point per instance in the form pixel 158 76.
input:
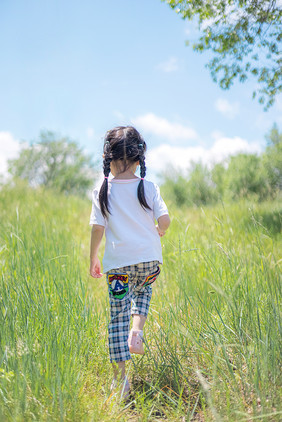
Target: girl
pixel 126 208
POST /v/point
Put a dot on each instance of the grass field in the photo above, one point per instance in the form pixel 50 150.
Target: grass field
pixel 213 333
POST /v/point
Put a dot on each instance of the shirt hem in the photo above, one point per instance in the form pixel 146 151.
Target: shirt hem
pixel 127 263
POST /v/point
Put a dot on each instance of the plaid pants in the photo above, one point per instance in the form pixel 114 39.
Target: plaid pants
pixel 128 284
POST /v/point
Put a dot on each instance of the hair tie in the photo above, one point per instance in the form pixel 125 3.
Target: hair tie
pixel 142 178
pixel 106 177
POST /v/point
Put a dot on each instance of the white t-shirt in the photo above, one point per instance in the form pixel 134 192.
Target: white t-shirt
pixel 131 234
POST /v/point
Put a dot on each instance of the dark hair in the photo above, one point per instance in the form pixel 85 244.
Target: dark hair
pixel 123 143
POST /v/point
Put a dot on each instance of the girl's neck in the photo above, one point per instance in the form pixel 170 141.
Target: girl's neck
pixel 129 173
pixel 125 175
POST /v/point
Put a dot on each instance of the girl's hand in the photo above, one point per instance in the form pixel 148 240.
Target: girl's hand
pixel 161 232
pixel 163 224
pixel 95 268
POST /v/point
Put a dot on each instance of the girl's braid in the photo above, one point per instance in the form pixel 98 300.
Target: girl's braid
pixel 107 159
pixel 142 160
pixel 140 189
pixel 103 194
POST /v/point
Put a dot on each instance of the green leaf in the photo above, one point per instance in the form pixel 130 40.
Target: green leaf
pixel 252 34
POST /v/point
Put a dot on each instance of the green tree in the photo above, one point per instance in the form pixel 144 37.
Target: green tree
pixel 272 159
pixel 246 176
pixel 174 186
pixel 245 39
pixel 56 163
pixel 196 188
pixel 200 189
pixel 218 177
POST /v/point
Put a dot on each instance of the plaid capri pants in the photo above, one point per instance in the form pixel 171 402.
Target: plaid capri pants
pixel 130 285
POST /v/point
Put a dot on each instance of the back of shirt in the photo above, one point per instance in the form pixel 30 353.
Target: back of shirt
pixel 131 235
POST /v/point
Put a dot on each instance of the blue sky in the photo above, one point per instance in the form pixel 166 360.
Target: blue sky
pixel 80 68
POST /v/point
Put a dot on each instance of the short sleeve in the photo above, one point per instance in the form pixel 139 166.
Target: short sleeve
pixel 160 207
pixel 96 216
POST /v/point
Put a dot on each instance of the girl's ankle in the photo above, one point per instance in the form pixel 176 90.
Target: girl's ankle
pixel 136 331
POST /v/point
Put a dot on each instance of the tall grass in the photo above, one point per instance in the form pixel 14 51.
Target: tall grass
pixel 224 314
pixel 213 333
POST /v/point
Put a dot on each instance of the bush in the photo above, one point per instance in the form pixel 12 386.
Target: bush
pixel 272 160
pixel 246 176
pixel 197 189
pixel 174 187
pixel 240 176
pixel 201 190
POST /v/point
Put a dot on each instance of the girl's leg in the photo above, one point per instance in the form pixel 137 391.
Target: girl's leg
pixel 118 328
pixel 141 306
pixel 138 322
pixel 118 331
pixel 119 370
pixel 142 293
pixel 120 381
pixel 147 274
pixel 135 339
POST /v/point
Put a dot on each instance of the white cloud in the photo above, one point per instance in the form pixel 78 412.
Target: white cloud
pixel 224 147
pixel 162 127
pixel 170 65
pixel 228 109
pixel 9 148
pixel 180 157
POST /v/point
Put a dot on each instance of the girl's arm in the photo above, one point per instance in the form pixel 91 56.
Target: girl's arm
pixel 96 238
pixel 163 224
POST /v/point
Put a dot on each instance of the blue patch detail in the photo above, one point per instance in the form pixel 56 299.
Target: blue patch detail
pixel 118 284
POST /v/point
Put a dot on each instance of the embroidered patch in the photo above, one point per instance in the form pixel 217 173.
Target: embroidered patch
pixel 118 285
pixel 151 278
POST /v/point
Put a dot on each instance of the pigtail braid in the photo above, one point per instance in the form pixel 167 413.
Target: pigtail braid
pixel 140 189
pixel 103 194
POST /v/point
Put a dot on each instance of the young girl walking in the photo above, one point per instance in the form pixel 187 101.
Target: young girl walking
pixel 125 208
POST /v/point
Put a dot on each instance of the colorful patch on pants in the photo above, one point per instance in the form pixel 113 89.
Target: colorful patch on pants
pixel 151 278
pixel 118 284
